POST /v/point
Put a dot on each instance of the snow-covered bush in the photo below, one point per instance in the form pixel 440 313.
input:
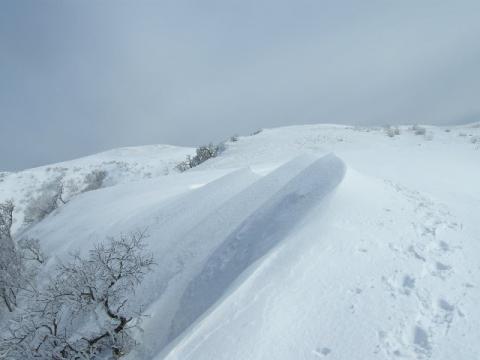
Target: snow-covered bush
pixel 94 180
pixel 418 130
pixel 16 272
pixel 203 153
pixel 11 268
pixel 84 312
pixel 429 136
pixel 475 140
pixel 9 262
pixel 50 198
pixel 392 131
pixel 30 252
pixel 184 165
pixel 6 219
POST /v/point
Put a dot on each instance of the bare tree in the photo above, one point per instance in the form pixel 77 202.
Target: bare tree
pixel 84 312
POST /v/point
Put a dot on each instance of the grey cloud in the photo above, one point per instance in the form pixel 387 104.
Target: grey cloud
pixel 80 77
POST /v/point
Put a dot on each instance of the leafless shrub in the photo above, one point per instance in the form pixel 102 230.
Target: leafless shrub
pixel 418 130
pixel 6 219
pixel 85 311
pixel 16 271
pixel 30 250
pixel 203 153
pixel 184 165
pixel 9 261
pixel 94 180
pixel 392 131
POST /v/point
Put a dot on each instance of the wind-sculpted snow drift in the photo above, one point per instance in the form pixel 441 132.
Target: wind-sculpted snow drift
pixel 195 251
pixel 264 228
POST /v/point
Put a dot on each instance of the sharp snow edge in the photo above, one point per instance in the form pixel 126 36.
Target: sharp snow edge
pixel 263 229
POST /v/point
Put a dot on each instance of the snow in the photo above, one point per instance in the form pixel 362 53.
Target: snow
pixel 305 242
pixel 122 165
pixel 261 231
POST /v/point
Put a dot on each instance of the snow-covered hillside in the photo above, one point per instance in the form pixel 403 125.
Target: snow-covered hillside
pixel 305 242
pixel 121 166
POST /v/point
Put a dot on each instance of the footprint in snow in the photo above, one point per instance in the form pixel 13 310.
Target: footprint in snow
pixel 421 342
pixel 447 312
pixel 322 352
pixel 444 246
pixel 442 270
pixel 445 305
pixel 390 345
pixel 356 291
pixel 408 284
pixel 416 254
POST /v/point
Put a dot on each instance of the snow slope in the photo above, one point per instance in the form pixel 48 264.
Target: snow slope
pixel 122 165
pixel 279 249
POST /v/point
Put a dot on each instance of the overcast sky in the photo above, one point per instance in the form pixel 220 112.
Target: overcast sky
pixel 77 77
